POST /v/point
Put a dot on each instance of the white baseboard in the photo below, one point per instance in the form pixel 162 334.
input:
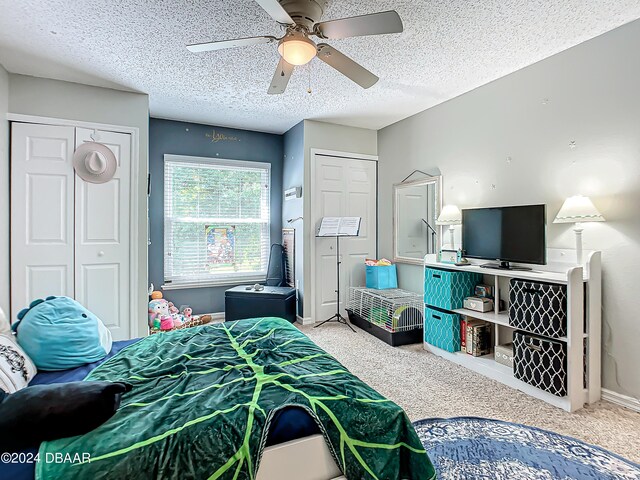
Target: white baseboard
pixel 216 316
pixel 305 320
pixel 620 399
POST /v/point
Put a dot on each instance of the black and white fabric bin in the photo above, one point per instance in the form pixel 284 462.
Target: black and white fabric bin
pixel 541 362
pixel 538 307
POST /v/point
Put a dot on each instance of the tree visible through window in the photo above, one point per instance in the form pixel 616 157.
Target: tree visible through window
pixel 216 224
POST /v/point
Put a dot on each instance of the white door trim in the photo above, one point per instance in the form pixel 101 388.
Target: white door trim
pixel 133 205
pixel 312 223
pixel 335 153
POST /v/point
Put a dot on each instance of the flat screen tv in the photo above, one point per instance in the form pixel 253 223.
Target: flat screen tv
pixel 506 234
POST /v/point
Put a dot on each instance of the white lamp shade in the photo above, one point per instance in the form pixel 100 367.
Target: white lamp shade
pixel 578 209
pixel 297 49
pixel 450 215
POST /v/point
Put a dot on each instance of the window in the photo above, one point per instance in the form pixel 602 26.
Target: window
pixel 216 221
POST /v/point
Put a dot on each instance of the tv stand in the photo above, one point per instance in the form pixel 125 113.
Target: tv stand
pixel 504 265
pixel 583 339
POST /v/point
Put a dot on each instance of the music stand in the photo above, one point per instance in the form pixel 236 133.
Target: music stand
pixel 337 317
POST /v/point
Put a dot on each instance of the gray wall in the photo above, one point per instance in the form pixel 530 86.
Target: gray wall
pixel 339 138
pixel 72 101
pixel 593 93
pixel 180 138
pixel 293 176
pixel 4 191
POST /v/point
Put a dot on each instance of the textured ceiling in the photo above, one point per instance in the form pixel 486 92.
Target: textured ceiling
pixel 448 47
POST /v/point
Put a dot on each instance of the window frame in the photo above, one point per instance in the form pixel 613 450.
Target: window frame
pixel 218 280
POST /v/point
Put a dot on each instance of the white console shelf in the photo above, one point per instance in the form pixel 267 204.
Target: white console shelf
pixel 583 322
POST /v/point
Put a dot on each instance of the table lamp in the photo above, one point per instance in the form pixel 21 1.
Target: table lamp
pixel 450 215
pixel 578 210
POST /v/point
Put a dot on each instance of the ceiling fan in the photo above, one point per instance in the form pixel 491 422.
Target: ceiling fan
pixel 300 18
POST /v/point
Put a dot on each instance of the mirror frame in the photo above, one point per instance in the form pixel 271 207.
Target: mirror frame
pixel 435 180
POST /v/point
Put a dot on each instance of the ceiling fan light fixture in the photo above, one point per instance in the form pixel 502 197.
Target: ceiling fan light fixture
pixel 301 19
pixel 296 49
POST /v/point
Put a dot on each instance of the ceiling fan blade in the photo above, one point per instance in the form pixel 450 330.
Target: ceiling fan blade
pixel 373 24
pixel 238 42
pixel 275 10
pixel 280 78
pixel 346 66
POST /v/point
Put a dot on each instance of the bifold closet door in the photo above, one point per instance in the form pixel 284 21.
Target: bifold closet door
pixel 342 187
pixel 70 237
pixel 42 213
pixel 102 237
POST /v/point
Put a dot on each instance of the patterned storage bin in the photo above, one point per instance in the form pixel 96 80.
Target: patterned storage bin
pixel 540 362
pixel 540 308
pixel 442 329
pixel 447 289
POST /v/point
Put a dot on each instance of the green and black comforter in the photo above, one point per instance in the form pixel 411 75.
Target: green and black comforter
pixel 203 399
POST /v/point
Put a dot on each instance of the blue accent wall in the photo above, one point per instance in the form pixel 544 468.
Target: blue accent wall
pixel 181 138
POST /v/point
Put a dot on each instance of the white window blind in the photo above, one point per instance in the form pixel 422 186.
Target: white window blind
pixel 216 221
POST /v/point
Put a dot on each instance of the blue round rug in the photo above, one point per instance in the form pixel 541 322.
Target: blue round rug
pixel 482 449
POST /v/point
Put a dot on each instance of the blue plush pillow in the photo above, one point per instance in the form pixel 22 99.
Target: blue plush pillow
pixel 58 333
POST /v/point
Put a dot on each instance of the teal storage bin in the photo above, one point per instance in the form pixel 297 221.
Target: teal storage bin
pixel 382 277
pixel 442 329
pixel 447 289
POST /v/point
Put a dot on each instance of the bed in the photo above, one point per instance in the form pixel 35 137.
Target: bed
pixel 247 399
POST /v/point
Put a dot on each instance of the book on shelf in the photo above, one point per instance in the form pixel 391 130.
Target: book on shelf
pixel 478 338
pixel 463 333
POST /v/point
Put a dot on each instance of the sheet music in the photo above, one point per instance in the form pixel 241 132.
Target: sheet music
pixel 349 226
pixel 339 226
pixel 330 226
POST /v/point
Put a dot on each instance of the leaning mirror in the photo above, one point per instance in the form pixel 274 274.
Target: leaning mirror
pixel 416 205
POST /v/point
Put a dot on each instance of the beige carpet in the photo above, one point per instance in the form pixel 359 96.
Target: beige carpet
pixel 427 386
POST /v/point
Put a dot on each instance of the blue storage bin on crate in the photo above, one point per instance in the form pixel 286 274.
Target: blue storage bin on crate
pixel 447 289
pixel 382 277
pixel 442 329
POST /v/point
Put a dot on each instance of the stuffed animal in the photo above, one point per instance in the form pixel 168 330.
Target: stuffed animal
pixel 58 333
pixel 173 310
pixel 178 320
pixel 167 323
pixel 158 309
pixel 163 315
pixel 156 295
pixel 187 312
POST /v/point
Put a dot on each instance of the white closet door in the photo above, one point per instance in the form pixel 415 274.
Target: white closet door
pixel 42 232
pixel 102 238
pixel 342 187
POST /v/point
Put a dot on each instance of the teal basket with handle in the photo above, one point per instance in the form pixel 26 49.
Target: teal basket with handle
pixel 442 329
pixel 447 289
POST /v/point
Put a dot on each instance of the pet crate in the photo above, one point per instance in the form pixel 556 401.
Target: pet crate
pixel 394 316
